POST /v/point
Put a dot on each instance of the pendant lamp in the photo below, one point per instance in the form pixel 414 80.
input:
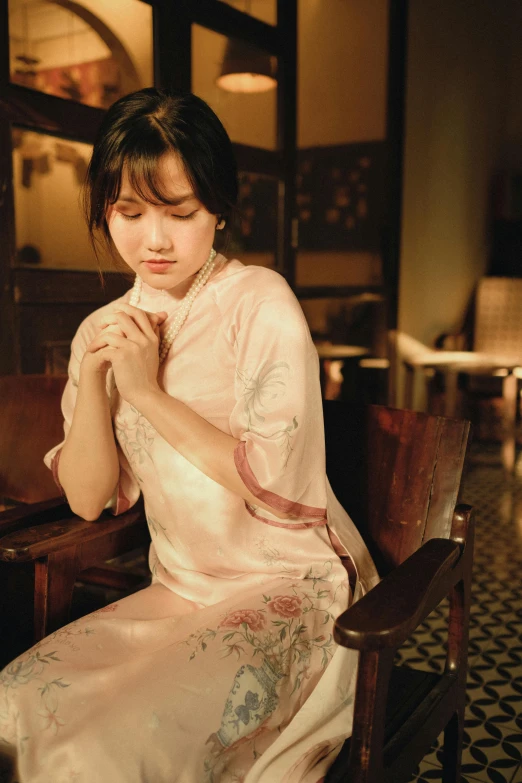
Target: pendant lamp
pixel 246 68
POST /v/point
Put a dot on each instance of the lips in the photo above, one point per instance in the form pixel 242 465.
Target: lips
pixel 159 265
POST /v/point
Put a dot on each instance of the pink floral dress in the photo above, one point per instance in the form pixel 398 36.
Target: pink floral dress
pixel 224 669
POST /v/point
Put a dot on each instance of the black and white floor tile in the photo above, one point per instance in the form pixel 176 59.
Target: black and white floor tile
pixel 493 729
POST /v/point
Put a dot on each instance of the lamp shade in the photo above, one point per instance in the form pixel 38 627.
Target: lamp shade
pixel 246 68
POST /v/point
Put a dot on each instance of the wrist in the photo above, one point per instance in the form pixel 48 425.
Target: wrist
pixel 92 380
pixel 91 367
pixel 147 400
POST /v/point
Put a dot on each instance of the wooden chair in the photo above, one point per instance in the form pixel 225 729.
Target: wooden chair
pixel 398 474
pixel 30 423
pixel 36 586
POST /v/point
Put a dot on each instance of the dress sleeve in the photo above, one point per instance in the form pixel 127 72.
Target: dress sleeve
pixel 127 491
pixel 278 416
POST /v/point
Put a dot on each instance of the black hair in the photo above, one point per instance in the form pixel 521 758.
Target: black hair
pixel 137 131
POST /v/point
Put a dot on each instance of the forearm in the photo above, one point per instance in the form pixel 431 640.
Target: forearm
pixel 202 444
pixel 88 469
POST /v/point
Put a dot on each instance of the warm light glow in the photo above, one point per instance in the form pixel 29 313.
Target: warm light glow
pixel 246 82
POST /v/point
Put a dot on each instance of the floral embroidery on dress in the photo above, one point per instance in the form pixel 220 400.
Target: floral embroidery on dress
pixel 109 608
pixel 273 557
pixel 157 528
pixel 31 668
pixel 260 394
pixel 282 635
pixel 136 437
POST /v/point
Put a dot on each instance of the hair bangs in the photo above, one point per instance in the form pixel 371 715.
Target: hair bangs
pixel 144 178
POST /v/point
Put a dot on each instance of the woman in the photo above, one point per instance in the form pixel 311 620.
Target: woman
pixel 200 389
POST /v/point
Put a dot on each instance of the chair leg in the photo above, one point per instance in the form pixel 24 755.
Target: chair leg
pixel 54 580
pixel 409 379
pixel 452 752
pixel 451 393
pixel 366 746
pixel 509 416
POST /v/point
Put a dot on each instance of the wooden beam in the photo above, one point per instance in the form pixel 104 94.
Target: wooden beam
pixel 395 113
pixel 223 18
pixel 287 137
pixel 172 32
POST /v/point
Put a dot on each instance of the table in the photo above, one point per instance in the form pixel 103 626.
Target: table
pixel 450 364
pixel 345 353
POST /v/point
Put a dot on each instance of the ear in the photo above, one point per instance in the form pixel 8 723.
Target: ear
pixel 222 223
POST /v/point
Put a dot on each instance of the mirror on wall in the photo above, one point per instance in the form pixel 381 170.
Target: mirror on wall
pixel 88 51
pixel 50 229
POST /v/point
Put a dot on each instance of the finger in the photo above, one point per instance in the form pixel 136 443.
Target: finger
pixel 142 318
pixel 130 328
pixel 107 339
pixel 106 354
pixel 109 319
pixel 106 320
pixel 93 346
pixel 156 319
pixel 113 328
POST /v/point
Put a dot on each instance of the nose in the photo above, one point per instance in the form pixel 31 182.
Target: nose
pixel 157 236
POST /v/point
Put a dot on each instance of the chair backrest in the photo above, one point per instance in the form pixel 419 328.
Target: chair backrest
pixel 31 423
pixel 498 322
pixel 396 472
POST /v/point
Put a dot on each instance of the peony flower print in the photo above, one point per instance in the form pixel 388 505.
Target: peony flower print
pixel 252 617
pixel 285 605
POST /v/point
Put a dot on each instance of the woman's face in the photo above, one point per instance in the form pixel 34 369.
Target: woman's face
pixel 165 244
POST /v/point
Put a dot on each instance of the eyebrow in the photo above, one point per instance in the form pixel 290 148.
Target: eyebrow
pixel 175 202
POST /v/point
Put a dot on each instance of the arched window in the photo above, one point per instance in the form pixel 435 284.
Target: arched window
pixel 81 51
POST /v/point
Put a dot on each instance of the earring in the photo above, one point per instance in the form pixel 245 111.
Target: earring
pixel 222 223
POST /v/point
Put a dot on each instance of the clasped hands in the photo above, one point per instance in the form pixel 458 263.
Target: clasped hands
pixel 129 343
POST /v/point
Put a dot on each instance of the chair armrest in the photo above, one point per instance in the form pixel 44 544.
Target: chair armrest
pixel 31 543
pixel 410 350
pixel 29 514
pixel 389 613
pixel 452 341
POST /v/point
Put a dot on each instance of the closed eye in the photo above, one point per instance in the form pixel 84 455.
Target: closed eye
pixel 178 217
pixel 185 217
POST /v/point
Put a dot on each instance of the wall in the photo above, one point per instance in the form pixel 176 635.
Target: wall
pixel 342 56
pixel 512 143
pixel 456 114
pixel 342 71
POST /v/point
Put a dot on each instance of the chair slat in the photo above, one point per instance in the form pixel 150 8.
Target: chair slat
pixel 31 423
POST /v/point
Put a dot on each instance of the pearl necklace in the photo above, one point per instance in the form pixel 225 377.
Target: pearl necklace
pixel 186 303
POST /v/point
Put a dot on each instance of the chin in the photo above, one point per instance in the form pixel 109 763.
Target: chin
pixel 166 279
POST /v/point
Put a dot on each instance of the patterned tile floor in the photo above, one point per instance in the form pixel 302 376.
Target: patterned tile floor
pixel 493 727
